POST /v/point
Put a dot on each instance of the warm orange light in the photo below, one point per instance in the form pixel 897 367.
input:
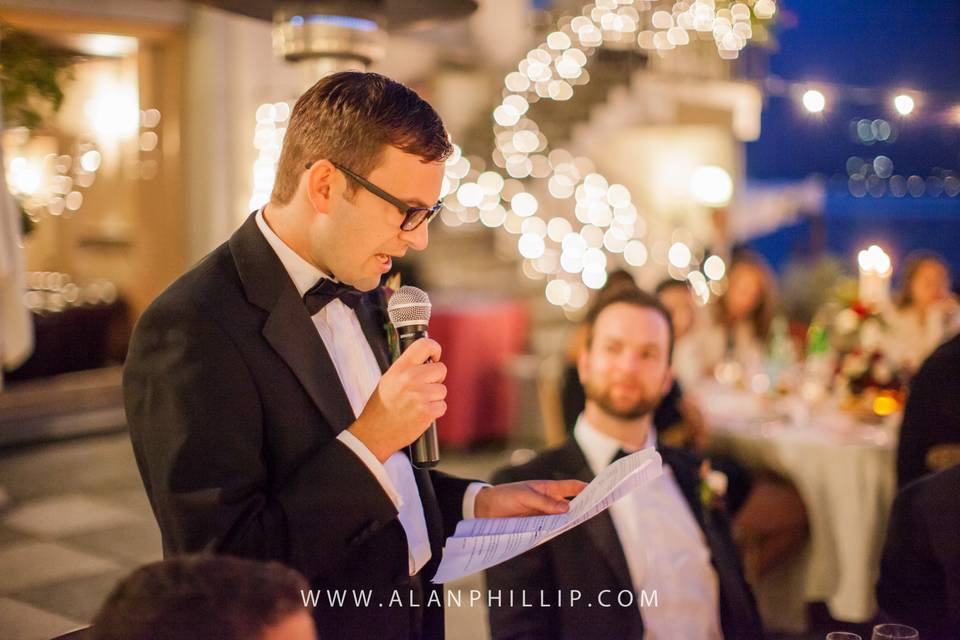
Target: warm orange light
pixel 885 405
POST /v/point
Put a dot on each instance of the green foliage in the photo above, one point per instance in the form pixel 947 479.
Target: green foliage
pixel 31 73
pixel 808 285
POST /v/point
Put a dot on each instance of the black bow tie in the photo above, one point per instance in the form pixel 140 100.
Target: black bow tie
pixel 326 290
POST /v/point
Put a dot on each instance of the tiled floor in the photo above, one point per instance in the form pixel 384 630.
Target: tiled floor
pixel 79 521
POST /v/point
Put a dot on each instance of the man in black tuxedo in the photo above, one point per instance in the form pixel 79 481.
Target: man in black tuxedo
pixel 266 417
pixel 660 562
pixel 919 580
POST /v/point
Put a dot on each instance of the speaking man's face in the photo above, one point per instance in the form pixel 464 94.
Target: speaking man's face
pixel 626 368
pixel 366 228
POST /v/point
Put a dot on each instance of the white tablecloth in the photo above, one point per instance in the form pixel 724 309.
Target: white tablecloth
pixel 845 472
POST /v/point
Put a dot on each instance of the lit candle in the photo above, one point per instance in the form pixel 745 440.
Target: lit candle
pixel 875 272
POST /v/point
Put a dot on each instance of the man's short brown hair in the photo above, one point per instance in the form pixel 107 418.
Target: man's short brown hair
pixel 627 295
pixel 201 596
pixel 349 118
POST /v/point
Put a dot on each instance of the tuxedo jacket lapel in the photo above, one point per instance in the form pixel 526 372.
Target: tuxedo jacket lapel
pixel 687 474
pixel 291 332
pixel 288 328
pixel 602 533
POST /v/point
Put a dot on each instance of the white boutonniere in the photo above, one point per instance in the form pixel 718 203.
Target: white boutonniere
pixel 713 487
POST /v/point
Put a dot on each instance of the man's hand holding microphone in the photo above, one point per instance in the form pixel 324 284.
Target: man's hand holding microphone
pixel 410 398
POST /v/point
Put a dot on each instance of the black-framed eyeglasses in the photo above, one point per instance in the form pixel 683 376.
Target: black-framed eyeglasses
pixel 413 216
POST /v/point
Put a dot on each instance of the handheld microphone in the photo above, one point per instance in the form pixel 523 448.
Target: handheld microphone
pixel 409 311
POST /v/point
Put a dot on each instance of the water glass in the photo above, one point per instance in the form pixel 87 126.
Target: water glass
pixel 895 632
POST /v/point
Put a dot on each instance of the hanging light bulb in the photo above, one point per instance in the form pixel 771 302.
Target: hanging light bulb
pixel 904 104
pixel 814 101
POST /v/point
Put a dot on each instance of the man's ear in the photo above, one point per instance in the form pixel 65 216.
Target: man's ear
pixel 323 184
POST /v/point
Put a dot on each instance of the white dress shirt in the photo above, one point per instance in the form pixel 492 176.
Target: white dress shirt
pixel 664 547
pixel 359 373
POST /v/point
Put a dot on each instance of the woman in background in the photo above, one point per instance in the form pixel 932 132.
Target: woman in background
pixel 925 313
pixel 772 524
pixel 737 327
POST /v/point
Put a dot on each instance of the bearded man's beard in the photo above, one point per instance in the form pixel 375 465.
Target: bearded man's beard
pixel 639 409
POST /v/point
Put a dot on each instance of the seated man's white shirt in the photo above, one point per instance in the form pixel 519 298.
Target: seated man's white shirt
pixel 339 328
pixel 664 547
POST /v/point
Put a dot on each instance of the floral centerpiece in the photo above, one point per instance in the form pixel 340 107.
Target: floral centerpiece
pixel 864 371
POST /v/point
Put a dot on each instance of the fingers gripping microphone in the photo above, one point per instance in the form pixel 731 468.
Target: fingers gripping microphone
pixel 409 311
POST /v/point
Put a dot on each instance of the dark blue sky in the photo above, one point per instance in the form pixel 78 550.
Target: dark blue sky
pixel 882 44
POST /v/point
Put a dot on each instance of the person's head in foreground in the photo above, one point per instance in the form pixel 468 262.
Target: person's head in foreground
pixel 359 176
pixel 625 368
pixel 207 597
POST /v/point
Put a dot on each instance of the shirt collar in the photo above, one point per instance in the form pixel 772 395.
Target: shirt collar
pixel 599 448
pixel 303 274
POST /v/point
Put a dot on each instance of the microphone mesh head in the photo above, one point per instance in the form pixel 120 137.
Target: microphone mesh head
pixel 409 306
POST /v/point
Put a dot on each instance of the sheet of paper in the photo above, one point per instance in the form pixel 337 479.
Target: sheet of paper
pixel 481 543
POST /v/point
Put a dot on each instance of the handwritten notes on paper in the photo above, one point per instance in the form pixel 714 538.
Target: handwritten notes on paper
pixel 481 543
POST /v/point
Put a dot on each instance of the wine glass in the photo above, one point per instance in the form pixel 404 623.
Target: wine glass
pixel 891 631
pixel 843 635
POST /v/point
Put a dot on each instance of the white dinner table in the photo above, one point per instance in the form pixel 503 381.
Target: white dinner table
pixel 842 465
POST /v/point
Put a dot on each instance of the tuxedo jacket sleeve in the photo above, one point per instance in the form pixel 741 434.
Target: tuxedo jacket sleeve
pixel 195 415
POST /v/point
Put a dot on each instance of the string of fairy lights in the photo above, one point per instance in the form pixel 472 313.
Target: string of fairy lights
pixel 573 232
pixel 876 176
pixel 573 252
pixel 54 184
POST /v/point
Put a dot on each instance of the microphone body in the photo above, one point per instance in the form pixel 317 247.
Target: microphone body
pixel 409 311
pixel 425 450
